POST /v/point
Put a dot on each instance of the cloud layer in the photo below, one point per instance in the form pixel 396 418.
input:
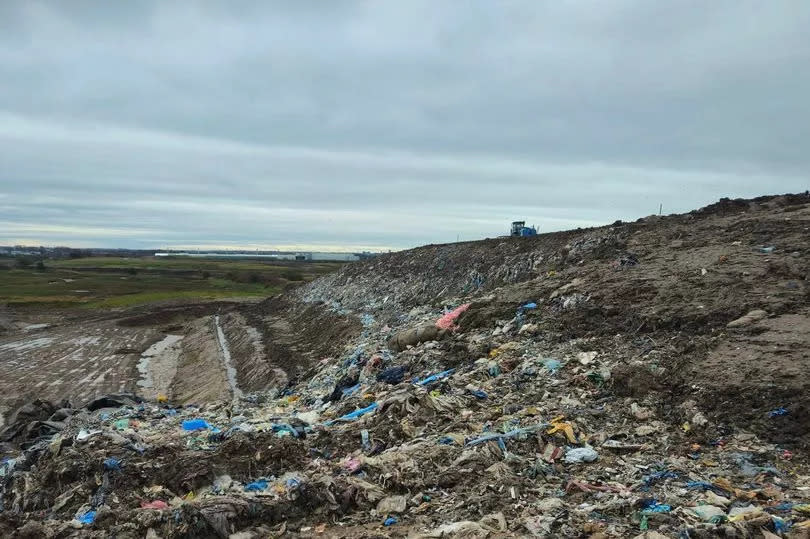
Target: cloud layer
pixel 388 124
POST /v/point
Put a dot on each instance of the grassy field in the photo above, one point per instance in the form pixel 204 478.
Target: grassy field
pixel 123 282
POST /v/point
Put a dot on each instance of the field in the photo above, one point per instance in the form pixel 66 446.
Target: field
pixel 110 282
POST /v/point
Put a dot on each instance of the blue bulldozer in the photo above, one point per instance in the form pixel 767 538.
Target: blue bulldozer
pixel 520 229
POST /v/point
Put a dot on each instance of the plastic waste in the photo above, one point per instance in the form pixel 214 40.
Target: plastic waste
pixel 392 375
pixel 552 364
pixel 502 435
pixel 352 464
pixel 392 504
pixel 704 485
pixel 156 504
pixel 85 435
pixel 778 412
pixel 283 429
pixel 256 486
pixel 558 425
pixel 354 415
pixel 652 506
pixel 390 521
pixel 657 476
pixel 87 518
pixel 436 377
pixel 581 454
pixel 112 464
pixel 349 390
pixel 448 321
pixel 196 424
pixel 707 513
pixel 7 466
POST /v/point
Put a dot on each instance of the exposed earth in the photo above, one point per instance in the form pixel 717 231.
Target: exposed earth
pixel 639 379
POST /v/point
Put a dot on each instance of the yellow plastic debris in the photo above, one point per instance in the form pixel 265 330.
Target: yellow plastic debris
pixel 558 425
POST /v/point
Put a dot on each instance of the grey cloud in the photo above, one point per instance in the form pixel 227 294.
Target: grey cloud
pixel 388 124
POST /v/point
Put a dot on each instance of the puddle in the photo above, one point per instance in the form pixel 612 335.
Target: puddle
pixel 226 359
pixel 158 365
pixel 34 327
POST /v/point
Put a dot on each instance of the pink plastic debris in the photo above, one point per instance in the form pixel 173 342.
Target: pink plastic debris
pixel 448 320
pixel 157 504
pixel 352 464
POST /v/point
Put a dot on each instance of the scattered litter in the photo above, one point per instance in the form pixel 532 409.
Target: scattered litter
pixel 573 398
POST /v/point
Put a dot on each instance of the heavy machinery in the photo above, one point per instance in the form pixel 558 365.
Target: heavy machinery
pixel 519 228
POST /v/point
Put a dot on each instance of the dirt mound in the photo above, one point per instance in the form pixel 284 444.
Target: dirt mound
pixel 294 335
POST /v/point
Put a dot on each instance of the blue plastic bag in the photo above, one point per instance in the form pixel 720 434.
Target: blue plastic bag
pixel 435 377
pixel 196 424
pixel 256 486
pixel 87 518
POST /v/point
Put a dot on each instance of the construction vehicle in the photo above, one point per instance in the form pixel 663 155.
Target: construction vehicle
pixel 520 229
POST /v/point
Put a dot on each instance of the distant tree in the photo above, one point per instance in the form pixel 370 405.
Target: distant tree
pixel 206 274
pixel 40 265
pixel 132 271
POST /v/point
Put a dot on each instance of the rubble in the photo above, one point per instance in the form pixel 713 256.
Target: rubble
pixel 600 420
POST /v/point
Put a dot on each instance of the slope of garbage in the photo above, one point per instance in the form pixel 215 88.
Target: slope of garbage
pixel 637 380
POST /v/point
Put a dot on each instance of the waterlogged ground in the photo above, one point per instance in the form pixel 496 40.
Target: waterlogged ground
pixel 87 358
pixel 74 362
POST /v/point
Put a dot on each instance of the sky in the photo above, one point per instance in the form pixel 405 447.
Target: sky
pixel 383 124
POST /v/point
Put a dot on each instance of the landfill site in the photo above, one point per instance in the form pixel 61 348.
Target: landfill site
pixel 644 379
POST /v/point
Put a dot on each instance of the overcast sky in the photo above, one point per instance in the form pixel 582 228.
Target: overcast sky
pixel 388 124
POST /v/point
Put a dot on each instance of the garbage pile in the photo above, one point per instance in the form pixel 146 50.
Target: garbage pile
pixel 604 387
pixel 526 440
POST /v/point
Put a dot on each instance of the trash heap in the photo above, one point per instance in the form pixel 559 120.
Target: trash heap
pixel 528 439
pixel 637 380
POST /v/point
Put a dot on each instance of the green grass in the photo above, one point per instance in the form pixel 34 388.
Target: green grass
pixel 145 298
pixel 124 282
